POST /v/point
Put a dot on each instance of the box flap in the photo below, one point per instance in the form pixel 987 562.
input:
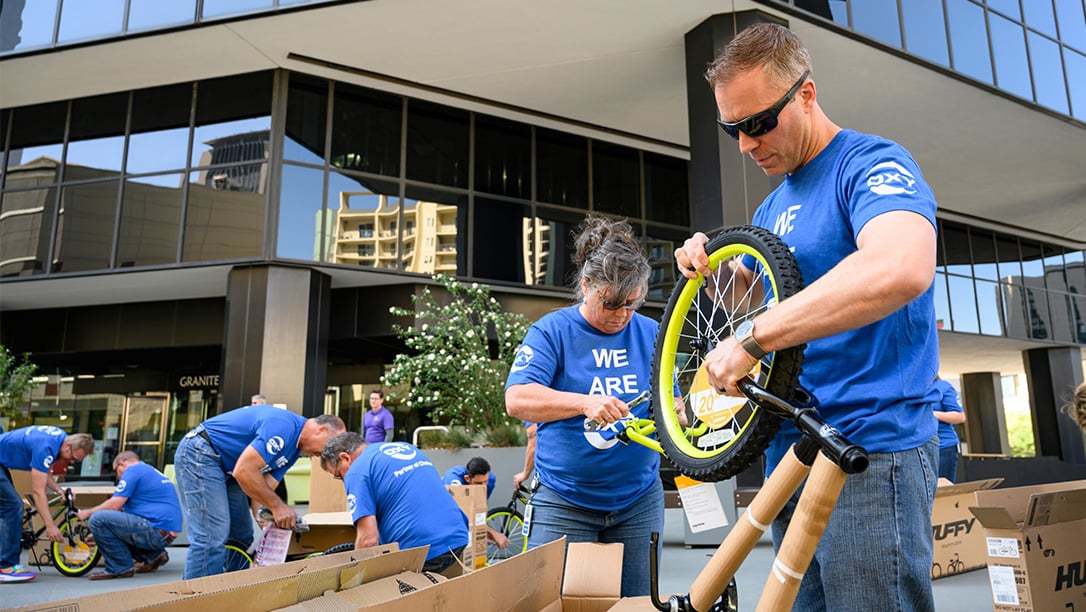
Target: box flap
pixel 1016 499
pixel 1056 507
pixel 328 518
pixel 409 560
pixel 949 488
pixel 593 570
pixel 384 589
pixel 994 518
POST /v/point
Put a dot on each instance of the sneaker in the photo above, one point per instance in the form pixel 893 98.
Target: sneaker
pixel 16 573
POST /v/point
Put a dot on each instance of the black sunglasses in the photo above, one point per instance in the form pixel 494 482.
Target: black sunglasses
pixel 763 122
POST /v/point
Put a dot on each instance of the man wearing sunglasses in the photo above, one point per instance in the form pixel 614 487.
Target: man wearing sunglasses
pixel 857 214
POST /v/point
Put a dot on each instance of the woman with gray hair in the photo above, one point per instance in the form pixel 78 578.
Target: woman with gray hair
pixel 590 362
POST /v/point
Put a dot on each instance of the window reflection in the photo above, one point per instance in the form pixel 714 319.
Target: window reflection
pixel 1019 321
pixel 553 247
pixel 439 221
pixel 233 119
pixel 963 304
pixel 84 20
pixel 437 144
pixel 660 245
pixel 365 221
pixel 969 40
pixel 1038 16
pixel 224 8
pixel 366 130
pixel 26 221
pixel 144 14
pixel 616 181
pixel 877 19
pixel 96 135
pixel 1076 79
pixel 561 168
pixel 942 302
pixel 1011 63
pixel 301 213
pixel 307 115
pixel 1010 268
pixel 925 30
pixel 1047 72
pixel 1072 22
pixel 502 241
pixel 989 305
pixel 150 220
pixel 984 255
pixel 956 249
pixel 159 136
pixel 85 227
pixel 26 24
pixel 503 157
pixel 1007 7
pixel 224 218
pixel 37 135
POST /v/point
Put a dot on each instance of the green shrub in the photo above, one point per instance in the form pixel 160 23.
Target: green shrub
pixel 506 435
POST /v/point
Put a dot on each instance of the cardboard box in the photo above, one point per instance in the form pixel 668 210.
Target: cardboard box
pixel 1036 546
pixel 326 494
pixel 957 537
pixel 326 529
pixel 472 501
pixel 592 578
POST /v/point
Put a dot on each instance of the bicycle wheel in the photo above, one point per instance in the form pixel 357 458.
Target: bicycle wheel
pixel 338 548
pixel 511 524
pixel 725 435
pixel 236 557
pixel 75 554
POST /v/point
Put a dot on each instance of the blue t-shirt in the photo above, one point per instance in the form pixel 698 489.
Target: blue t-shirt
pixel 872 383
pixel 33 447
pixel 948 402
pixel 397 484
pixel 272 431
pixel 455 476
pixel 563 352
pixel 150 495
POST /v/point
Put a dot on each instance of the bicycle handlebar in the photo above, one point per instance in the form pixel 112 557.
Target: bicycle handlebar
pixel 852 458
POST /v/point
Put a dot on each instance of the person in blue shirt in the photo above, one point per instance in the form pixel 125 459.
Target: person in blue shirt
pixel 235 457
pixel 33 448
pixel 588 361
pixel 949 413
pixel 137 524
pixel 395 494
pixel 860 219
pixel 476 472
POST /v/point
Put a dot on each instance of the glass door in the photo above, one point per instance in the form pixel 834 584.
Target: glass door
pixel 143 429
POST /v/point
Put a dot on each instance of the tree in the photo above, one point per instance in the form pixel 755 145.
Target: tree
pixel 461 348
pixel 16 379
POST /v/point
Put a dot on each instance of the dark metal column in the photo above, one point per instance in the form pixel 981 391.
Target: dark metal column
pixel 1052 375
pixel 985 425
pixel 725 186
pixel 276 337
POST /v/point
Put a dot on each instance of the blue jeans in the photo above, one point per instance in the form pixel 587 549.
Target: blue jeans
pixel 216 509
pixel 123 537
pixel 948 463
pixel 876 553
pixel 554 517
pixel 11 521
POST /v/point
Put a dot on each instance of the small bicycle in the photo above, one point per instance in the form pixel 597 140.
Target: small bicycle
pixel 509 521
pixel 76 553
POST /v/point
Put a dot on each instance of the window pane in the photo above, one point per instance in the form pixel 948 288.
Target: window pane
pixel 503 157
pixel 367 222
pixel 667 193
pixel 85 229
pixel 159 136
pixel 437 144
pixel 307 116
pixel 1076 76
pixel 1078 323
pixel 969 40
pixel 224 219
pixel 366 130
pixel 1047 73
pixel 441 219
pixel 942 302
pixel 555 248
pixel 37 132
pixel 989 302
pixel 90 19
pixel 1017 313
pixel 1010 268
pixel 956 249
pixel 26 220
pixel 925 30
pixel 1054 268
pixel 1007 7
pixel 150 220
pixel 963 304
pixel 503 240
pixel 301 212
pixel 223 8
pixel 1039 16
pixel 877 19
pixel 561 169
pixel 1037 305
pixel 616 182
pixel 144 14
pixel 1072 23
pixel 1060 307
pixel 1011 64
pixel 96 136
pixel 25 25
pixel 984 256
pixel 233 119
pixel 660 246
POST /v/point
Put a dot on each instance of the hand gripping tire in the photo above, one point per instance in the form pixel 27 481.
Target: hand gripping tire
pixel 75 554
pixel 725 435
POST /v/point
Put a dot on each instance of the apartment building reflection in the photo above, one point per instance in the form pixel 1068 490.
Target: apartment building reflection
pixel 367 234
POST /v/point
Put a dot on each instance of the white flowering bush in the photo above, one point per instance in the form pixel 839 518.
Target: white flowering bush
pixel 460 349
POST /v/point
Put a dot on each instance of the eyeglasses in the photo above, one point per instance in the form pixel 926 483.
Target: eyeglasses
pixel 763 122
pixel 632 306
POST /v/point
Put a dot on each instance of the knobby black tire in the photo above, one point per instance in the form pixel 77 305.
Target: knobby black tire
pixel 338 548
pixel 74 559
pixel 694 322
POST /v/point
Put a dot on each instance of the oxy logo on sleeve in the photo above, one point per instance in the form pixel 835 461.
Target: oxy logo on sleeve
pixel 48 462
pixel 275 445
pixel 890 178
pixel 523 358
pixel 351 504
pixel 121 486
